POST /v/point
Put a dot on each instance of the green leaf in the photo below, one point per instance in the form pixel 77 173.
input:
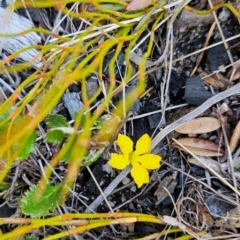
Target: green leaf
pixel 28 147
pixel 31 238
pixel 55 136
pixel 7 113
pixel 100 121
pixel 56 120
pixel 66 130
pixel 237 167
pixel 5 185
pixel 36 205
pixel 115 7
pixel 82 120
pixel 66 157
pixel 92 157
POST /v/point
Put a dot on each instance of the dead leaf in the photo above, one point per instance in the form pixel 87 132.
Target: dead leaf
pixel 235 138
pixel 138 4
pixel 199 126
pixel 134 57
pixel 200 147
pixel 217 80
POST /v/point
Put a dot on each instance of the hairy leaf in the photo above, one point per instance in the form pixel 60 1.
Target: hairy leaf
pixel 55 136
pixel 56 120
pixel 37 205
pixel 27 148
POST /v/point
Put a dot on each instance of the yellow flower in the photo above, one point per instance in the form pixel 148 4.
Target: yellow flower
pixel 140 159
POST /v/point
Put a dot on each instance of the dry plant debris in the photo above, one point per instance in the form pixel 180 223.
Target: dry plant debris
pixel 201 147
pixel 235 138
pixel 113 69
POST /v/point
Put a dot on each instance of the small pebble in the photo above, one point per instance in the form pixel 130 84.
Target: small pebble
pixel 107 168
pixel 123 198
pixel 224 15
pixel 158 74
pixel 112 204
pixel 182 29
pixel 125 181
pixel 133 188
pixel 92 87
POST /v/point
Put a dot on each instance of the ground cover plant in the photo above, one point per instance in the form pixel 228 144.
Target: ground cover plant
pixel 107 58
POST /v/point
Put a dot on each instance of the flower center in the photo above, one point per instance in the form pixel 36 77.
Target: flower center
pixel 132 158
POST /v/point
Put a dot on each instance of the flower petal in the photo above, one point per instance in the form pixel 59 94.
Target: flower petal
pixel 149 161
pixel 139 174
pixel 143 145
pixel 125 144
pixel 118 161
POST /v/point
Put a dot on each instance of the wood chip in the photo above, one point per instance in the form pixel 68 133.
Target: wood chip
pixel 169 183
